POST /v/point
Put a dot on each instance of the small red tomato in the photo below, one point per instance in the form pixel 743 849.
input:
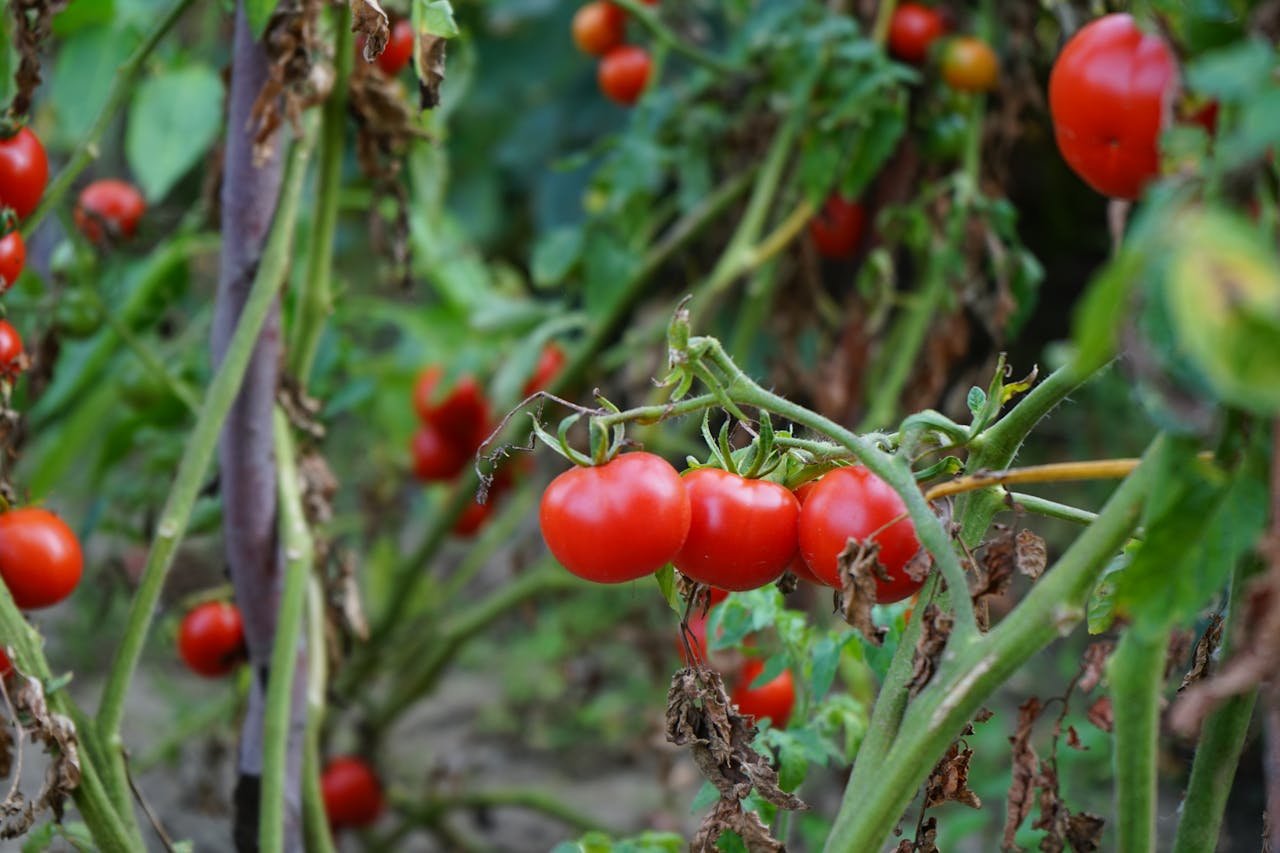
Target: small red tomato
pixel 473 517
pixel 399 49
pixel 771 701
pixel 618 521
pixel 24 171
pixel 798 566
pixel 1111 93
pixel 351 792
pixel 109 209
pixel 549 364
pixel 211 639
pixel 970 65
pixel 40 558
pixel 742 533
pixel 13 257
pixel 853 503
pixel 599 27
pixel 461 415
pixel 912 30
pixel 6 665
pixel 435 457
pixel 624 72
pixel 10 351
pixel 837 229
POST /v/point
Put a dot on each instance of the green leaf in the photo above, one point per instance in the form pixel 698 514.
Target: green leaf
pixel 259 12
pixel 1101 610
pixel 174 118
pixel 1234 73
pixel 825 659
pixel 435 18
pixel 555 255
pixel 976 399
pixel 1097 317
pixel 82 75
pixel 666 578
pixel 874 148
pixel 707 795
pixel 79 16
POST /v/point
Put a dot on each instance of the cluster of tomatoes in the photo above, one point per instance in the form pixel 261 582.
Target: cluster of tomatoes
pixel 600 29
pixel 967 63
pixel 629 517
pixel 455 421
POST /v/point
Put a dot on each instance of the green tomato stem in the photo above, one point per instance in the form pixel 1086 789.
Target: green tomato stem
pixel 1136 675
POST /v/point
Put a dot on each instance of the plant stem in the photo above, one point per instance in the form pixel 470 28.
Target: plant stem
pixel 314 301
pixel 1221 742
pixel 299 556
pixel 151 362
pixel 1053 509
pixel 315 823
pixel 1058 472
pixel 650 20
pixel 199 451
pixel 884 16
pixel 1054 605
pixel 1136 675
pixel 123 86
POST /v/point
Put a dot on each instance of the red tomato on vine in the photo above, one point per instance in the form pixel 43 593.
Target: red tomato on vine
pixel 435 457
pixel 351 792
pixel 837 229
pixel 40 557
pixel 109 208
pixel 970 65
pixel 771 701
pixel 211 639
pixel 399 49
pixel 549 365
pixel 599 27
pixel 1111 93
pixel 853 503
pixel 624 72
pixel 461 415
pixel 742 533
pixel 798 566
pixel 6 665
pixel 618 521
pixel 24 172
pixel 13 257
pixel 912 31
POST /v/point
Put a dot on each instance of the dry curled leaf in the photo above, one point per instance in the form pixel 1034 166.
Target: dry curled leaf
pixel 1093 665
pixel 1031 555
pixel 949 781
pixel 926 840
pixel 1084 832
pixel 302 410
pixel 859 566
pixel 1203 655
pixel 1073 740
pixel 728 816
pixel 1054 813
pixel 1100 714
pixel 935 628
pixel 56 733
pixel 1025 767
pixel 431 52
pixel 33 22
pixel 371 25
pixel 983 715
pixel 293 45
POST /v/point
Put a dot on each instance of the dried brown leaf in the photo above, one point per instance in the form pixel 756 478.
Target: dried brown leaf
pixel 1025 767
pixel 431 53
pixel 350 605
pixel 33 23
pixel 1053 811
pixel 370 23
pixel 56 733
pixel 1094 664
pixel 294 45
pixel 859 566
pixel 983 715
pixel 1100 714
pixel 1073 739
pixel 949 781
pixel 1084 832
pixel 1031 555
pixel 1203 655
pixel 728 815
pixel 935 628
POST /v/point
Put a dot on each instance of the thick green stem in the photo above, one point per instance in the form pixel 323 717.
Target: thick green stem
pixel 315 298
pixel 1053 509
pixel 315 823
pixel 1135 673
pixel 1221 742
pixel 966 680
pixel 200 448
pixel 299 554
pixel 123 86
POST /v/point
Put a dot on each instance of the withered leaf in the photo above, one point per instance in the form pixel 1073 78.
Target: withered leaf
pixel 368 20
pixel 949 781
pixel 1084 832
pixel 1203 655
pixel 293 44
pixel 728 815
pixel 431 52
pixel 1030 553
pixel 350 605
pixel 57 734
pixel 926 840
pixel 1100 715
pixel 1073 739
pixel 983 715
pixel 1025 761
pixel 1094 664
pixel 1179 648
pixel 1053 811
pixel 859 566
pixel 935 628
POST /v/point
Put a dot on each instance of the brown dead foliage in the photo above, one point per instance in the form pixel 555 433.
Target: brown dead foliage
pixel 935 629
pixel 859 566
pixel 371 24
pixel 33 22
pixel 1100 714
pixel 701 717
pixel 296 80
pixel 949 781
pixel 1093 665
pixel 1025 765
pixel 926 840
pixel 1202 657
pixel 30 714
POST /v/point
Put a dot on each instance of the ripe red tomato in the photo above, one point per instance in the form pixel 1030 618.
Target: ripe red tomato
pixel 109 209
pixel 599 27
pixel 798 566
pixel 351 792
pixel 853 503
pixel 211 639
pixel 624 72
pixel 771 701
pixel 6 665
pixel 24 171
pixel 549 364
pixel 473 517
pixel 618 521
pixel 970 65
pixel 697 638
pixel 10 351
pixel 1111 92
pixel 40 558
pixel 716 595
pixel 742 533
pixel 13 257
pixel 461 415
pixel 435 457
pixel 912 30
pixel 837 229
pixel 399 49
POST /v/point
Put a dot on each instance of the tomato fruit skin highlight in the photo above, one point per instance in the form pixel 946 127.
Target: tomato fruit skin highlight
pixel 13 257
pixel 912 31
pixel 40 557
pixel 616 522
pixel 24 172
pixel 771 701
pixel 852 503
pixel 599 27
pixel 742 533
pixel 351 792
pixel 117 204
pixel 837 229
pixel 1111 92
pixel 624 72
pixel 211 639
pixel 970 65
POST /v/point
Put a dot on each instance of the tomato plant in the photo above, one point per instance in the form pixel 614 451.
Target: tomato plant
pixel 599 27
pixel 435 456
pixel 772 701
pixel 109 208
pixel 459 414
pixel 11 352
pixel 837 230
pixel 970 65
pixel 624 73
pixel 24 171
pixel 211 639
pixel 399 49
pixel 13 257
pixel 913 29
pixel 550 362
pixel 351 791
pixel 40 557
